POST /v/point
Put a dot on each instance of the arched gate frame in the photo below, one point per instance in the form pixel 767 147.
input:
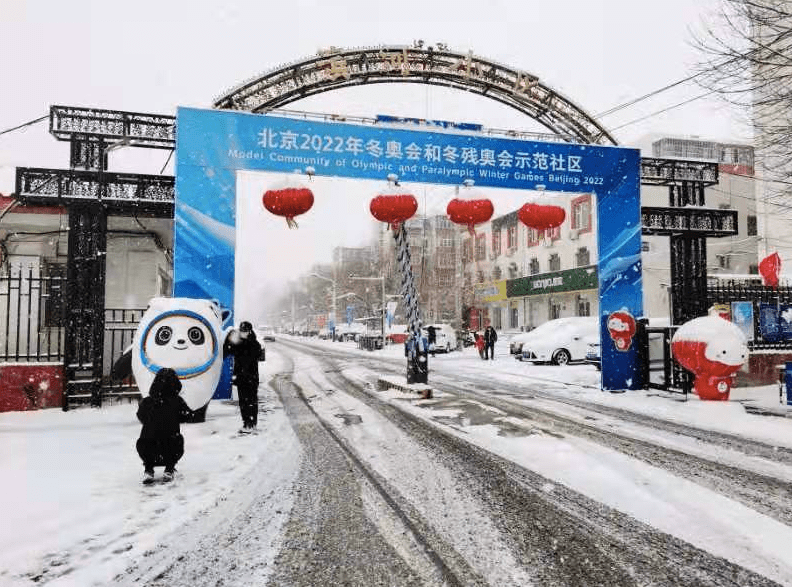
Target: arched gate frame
pixel 212 145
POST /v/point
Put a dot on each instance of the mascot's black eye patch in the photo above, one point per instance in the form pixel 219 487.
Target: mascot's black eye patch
pixel 196 335
pixel 163 335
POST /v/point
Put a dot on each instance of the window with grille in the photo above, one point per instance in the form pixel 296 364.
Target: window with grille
pixel 497 273
pixel 534 236
pixel 511 237
pixel 496 243
pixel 467 250
pixel 583 306
pixel 555 310
pixel 480 277
pixel 553 233
pixel 481 247
pixel 752 230
pixel 534 266
pixel 581 213
pixel 554 262
pixel 582 257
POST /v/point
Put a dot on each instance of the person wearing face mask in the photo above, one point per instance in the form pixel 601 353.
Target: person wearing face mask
pixel 246 350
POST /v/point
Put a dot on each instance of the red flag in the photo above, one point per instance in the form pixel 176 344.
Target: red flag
pixel 769 268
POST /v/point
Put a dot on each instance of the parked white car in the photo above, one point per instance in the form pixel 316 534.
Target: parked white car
pixel 446 339
pixel 558 341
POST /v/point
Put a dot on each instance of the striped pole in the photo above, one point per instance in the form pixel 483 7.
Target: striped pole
pixel 408 290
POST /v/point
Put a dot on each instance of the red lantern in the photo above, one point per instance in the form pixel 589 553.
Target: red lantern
pixel 393 205
pixel 769 268
pixel 541 217
pixel 470 207
pixel 288 199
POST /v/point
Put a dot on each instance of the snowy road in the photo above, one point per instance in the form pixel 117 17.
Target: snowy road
pixel 390 496
pixel 506 477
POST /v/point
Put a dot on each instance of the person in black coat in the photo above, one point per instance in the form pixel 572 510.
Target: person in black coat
pixel 246 350
pixel 490 336
pixel 161 412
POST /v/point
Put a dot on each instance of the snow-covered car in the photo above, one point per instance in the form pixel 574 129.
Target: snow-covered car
pixel 559 341
pixel 445 337
pixel 593 352
pixel 265 333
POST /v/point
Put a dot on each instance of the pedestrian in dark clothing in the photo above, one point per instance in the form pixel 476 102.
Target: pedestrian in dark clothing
pixel 161 412
pixel 490 336
pixel 246 350
pixel 431 335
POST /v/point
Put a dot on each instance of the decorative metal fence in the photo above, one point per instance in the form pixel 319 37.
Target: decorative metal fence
pixel 32 327
pixel 33 323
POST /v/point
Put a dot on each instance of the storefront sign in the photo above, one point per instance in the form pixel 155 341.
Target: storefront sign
pixel 491 292
pixel 577 279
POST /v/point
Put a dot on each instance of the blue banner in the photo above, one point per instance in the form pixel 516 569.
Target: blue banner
pixel 212 145
pixel 350 314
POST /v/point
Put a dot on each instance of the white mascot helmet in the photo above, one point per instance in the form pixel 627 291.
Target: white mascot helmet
pixel 186 335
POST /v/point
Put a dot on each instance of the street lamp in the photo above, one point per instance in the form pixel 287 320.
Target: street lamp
pixel 382 279
pixel 333 312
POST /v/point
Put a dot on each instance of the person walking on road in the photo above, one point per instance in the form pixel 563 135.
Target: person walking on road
pixel 490 336
pixel 245 348
pixel 479 344
pixel 161 412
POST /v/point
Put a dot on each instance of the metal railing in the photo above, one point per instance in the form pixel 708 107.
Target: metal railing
pixel 32 313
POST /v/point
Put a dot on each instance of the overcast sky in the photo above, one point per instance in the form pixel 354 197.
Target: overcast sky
pixel 150 56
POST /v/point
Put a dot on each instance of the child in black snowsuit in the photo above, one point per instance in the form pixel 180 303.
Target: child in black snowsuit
pixel 161 442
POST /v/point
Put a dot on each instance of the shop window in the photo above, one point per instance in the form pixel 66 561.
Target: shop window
pixel 514 317
pixel 497 322
pixel 583 306
pixel 555 310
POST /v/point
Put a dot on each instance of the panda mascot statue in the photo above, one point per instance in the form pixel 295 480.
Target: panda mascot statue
pixel 186 335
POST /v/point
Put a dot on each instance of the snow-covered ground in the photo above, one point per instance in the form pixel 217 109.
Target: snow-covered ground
pixel 75 513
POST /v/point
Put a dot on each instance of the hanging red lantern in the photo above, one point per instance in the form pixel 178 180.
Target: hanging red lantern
pixel 394 205
pixel 470 207
pixel 289 198
pixel 769 268
pixel 540 216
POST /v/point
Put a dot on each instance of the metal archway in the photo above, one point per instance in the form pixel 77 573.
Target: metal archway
pixel 341 68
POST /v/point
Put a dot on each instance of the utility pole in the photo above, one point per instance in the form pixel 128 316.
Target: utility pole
pixel 382 279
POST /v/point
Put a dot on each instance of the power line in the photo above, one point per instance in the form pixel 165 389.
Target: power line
pixel 24 125
pixel 645 96
pixel 663 110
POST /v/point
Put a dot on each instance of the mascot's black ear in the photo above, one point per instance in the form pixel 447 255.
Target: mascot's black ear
pixel 225 315
pixel 122 368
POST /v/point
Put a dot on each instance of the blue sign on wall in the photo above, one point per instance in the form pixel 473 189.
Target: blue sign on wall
pixel 211 145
